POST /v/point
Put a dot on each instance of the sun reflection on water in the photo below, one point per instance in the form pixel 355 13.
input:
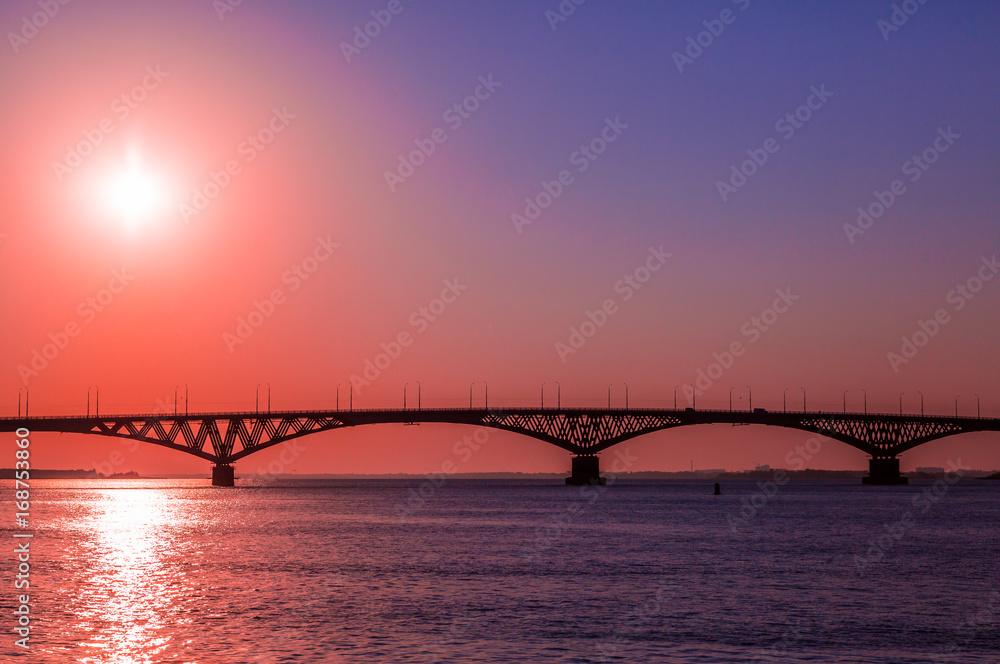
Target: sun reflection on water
pixel 133 587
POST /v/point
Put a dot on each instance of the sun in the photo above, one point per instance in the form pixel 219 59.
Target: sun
pixel 135 195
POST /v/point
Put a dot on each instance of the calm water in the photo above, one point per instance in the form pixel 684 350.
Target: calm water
pixel 176 571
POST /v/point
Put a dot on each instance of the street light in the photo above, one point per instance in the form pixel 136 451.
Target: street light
pixel 901 402
pixel 609 396
pixel 675 396
pixel 845 401
pixel 784 401
pixel 88 403
pixel 866 402
pixel 338 395
pixel 543 395
pixel 558 395
pixel 956 405
pixel 26 401
pixel 731 399
pixel 977 406
pixel 626 396
pixel 921 402
pixel 803 399
pixel 418 395
pixel 256 400
pixel 470 395
pixel 486 394
pixel 404 395
pixel 750 398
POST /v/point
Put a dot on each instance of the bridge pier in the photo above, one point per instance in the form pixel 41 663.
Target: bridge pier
pixel 884 472
pixel 223 474
pixel 586 471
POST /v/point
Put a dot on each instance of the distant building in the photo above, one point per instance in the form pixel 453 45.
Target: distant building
pixel 763 468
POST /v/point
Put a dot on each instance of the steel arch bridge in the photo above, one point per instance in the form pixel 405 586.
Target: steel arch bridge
pixel 226 437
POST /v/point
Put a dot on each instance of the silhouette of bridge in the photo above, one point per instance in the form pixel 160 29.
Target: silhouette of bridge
pixel 226 437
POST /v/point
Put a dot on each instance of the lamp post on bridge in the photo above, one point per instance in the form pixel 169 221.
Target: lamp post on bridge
pixel 558 396
pixel 543 396
pixel 803 399
pixel 749 398
pixel 486 394
pixel 901 402
pixel 921 402
pixel 675 396
pixel 731 399
pixel 609 396
pixel 866 401
pixel 404 395
pixel 845 401
pixel 418 395
pixel 470 395
pixel 977 406
pixel 26 401
pixel 956 404
pixel 626 396
pixel 784 401
pixel 256 400
pixel 257 397
pixel 97 410
pixel 338 395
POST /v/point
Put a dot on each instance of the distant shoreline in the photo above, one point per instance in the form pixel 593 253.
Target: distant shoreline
pixel 704 475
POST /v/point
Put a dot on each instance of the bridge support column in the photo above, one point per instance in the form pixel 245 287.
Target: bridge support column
pixel 223 474
pixel 884 472
pixel 586 471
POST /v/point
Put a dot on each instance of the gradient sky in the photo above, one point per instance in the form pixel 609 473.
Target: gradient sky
pixel 224 76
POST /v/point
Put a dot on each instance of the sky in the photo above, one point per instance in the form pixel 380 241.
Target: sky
pixel 206 197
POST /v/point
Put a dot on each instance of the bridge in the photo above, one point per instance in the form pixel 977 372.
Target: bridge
pixel 224 438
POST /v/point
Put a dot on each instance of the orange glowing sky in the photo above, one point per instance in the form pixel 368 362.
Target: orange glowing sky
pixel 293 143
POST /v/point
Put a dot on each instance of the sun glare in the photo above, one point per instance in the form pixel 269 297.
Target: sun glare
pixel 135 195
